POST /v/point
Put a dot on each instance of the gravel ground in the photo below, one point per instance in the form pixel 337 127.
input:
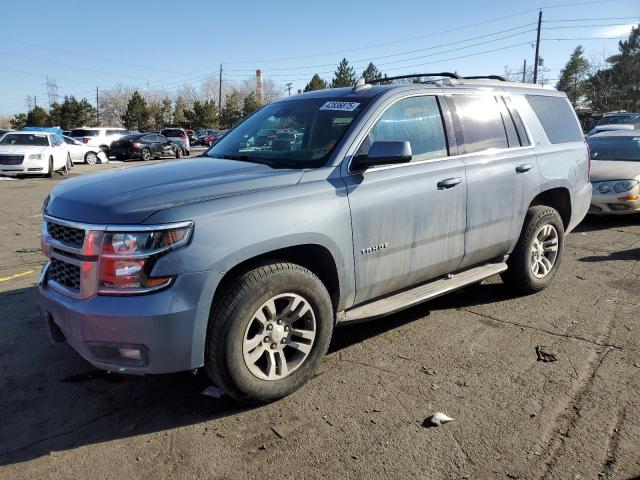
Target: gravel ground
pixel 471 355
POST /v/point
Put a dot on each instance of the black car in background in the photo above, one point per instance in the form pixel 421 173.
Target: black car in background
pixel 144 146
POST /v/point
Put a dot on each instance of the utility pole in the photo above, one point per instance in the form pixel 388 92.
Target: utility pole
pixel 97 107
pixel 289 88
pixel 220 93
pixel 524 71
pixel 535 64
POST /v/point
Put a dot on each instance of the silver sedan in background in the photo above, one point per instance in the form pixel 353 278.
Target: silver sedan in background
pixel 615 172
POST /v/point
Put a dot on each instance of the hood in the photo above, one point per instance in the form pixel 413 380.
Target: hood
pixel 602 170
pixel 129 196
pixel 21 149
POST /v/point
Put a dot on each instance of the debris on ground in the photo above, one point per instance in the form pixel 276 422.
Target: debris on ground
pixel 544 355
pixel 213 392
pixel 285 429
pixel 428 371
pixel 436 420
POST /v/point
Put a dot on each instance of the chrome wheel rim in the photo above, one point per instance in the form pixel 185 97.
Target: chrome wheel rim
pixel 146 154
pixel 91 158
pixel 279 337
pixel 544 251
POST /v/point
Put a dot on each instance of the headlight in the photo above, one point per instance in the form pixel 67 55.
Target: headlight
pixel 624 185
pixel 127 257
pixel 35 156
pixel 605 187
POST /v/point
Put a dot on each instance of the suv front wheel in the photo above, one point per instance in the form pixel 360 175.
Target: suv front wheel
pixel 268 332
pixel 535 260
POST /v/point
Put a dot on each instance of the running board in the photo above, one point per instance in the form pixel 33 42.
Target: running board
pixel 409 298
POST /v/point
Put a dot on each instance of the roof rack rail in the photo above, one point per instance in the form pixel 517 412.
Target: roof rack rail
pixel 417 75
pixel 487 77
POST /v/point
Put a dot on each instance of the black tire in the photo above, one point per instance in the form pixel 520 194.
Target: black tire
pixel 178 153
pixel 50 172
pixel 90 158
pixel 234 309
pixel 145 154
pixel 520 274
pixel 105 149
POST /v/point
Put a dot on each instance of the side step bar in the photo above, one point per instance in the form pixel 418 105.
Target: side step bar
pixel 408 298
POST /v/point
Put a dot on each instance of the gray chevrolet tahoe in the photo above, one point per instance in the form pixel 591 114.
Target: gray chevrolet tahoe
pixel 360 202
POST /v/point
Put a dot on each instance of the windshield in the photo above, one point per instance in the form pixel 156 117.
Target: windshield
pixel 38 140
pixel 293 134
pixel 615 148
pixel 619 120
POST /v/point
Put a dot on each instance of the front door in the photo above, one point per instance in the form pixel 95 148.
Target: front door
pixel 408 220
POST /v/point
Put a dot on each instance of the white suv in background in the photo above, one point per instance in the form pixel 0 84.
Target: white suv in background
pixel 98 136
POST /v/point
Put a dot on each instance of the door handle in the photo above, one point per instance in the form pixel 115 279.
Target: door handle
pixel 449 183
pixel 525 167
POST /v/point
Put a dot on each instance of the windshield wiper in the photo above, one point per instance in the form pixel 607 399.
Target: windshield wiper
pixel 246 158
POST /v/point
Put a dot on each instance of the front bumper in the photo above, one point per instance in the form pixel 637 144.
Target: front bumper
pixel 610 203
pixel 168 327
pixel 27 167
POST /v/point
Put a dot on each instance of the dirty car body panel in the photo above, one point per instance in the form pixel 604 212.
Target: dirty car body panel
pixel 385 229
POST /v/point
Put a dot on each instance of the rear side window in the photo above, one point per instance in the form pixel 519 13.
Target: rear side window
pixel 172 133
pixel 416 120
pixel 148 138
pixel 114 132
pixel 480 123
pixel 557 118
pixel 83 132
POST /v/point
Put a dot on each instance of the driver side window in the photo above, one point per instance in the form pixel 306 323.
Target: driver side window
pixel 416 120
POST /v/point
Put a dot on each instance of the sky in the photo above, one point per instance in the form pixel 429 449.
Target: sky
pixel 163 44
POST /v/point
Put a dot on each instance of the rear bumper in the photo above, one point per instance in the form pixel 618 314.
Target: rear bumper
pixel 168 328
pixel 581 199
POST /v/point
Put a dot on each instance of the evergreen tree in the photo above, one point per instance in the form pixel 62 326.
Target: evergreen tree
pixel 165 113
pixel 345 75
pixel 573 76
pixel 37 117
pixel 371 73
pixel 19 121
pixel 250 104
pixel 232 110
pixel 136 117
pixel 179 111
pixel 626 71
pixel 72 113
pixel 203 115
pixel 316 83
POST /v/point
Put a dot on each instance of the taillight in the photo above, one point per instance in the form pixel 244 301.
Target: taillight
pixel 136 145
pixel 127 258
pixel 86 139
pixel 183 137
pixel 588 162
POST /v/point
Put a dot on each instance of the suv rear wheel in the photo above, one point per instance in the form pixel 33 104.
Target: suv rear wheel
pixel 535 260
pixel 268 332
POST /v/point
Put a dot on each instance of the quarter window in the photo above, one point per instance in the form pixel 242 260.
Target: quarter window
pixel 416 120
pixel 557 118
pixel 480 123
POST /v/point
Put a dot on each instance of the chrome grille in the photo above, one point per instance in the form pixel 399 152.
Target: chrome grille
pixel 65 274
pixel 11 159
pixel 69 235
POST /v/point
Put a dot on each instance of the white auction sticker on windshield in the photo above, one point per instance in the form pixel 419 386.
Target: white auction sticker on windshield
pixel 340 106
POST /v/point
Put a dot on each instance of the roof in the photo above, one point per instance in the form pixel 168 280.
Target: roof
pixel 373 90
pixel 635 132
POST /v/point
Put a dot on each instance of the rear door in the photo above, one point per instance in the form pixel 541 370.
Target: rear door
pixel 408 226
pixel 495 160
pixel 76 151
pixel 166 148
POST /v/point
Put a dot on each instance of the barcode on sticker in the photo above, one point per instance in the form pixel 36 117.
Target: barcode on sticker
pixel 340 106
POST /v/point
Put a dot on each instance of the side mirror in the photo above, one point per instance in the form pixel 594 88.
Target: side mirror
pixel 383 153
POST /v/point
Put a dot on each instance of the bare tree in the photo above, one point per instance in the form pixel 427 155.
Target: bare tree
pixel 5 121
pixel 113 105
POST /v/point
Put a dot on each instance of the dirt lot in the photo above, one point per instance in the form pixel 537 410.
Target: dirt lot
pixel 471 355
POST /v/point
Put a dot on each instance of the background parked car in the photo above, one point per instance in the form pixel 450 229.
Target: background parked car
pixel 33 153
pixel 616 121
pixel 191 135
pixel 179 137
pixel 615 172
pixel 145 146
pixel 82 153
pixel 98 137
